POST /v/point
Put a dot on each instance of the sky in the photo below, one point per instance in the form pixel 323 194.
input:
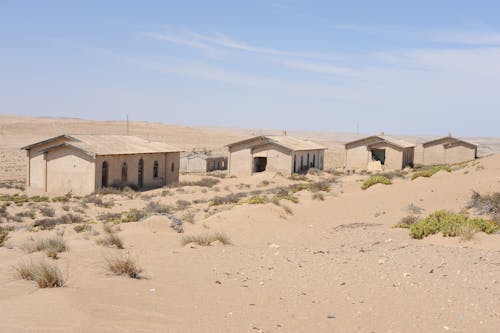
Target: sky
pixel 400 67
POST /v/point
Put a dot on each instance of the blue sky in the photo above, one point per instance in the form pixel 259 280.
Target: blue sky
pixel 419 67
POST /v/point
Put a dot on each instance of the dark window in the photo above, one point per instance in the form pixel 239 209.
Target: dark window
pixel 294 163
pixel 124 173
pixel 172 167
pixel 308 159
pixel 104 179
pixel 155 169
pixel 314 161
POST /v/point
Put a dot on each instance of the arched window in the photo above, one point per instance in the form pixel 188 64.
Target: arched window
pixel 104 174
pixel 124 173
pixel 140 173
pixel 155 169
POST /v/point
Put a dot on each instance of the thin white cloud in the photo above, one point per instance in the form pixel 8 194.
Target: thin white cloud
pixel 321 68
pixel 468 38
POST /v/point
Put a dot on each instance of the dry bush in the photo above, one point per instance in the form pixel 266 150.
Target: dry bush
pixel 467 232
pixel 414 209
pixel 231 198
pixel 133 215
pixel 46 275
pixel 406 221
pixel 204 182
pixel 177 224
pixel 206 240
pixel 110 217
pixel 124 265
pixel 66 208
pixel 111 240
pixel 318 196
pixel 47 211
pixel 488 204
pixel 63 198
pixel 183 204
pixel 82 228
pixel 287 210
pixel 52 246
pixel 218 174
pixel 189 218
pixel 4 235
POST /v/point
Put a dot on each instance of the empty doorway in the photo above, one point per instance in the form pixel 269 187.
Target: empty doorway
pixel 259 164
pixel 140 173
pixel 378 155
pixel 104 176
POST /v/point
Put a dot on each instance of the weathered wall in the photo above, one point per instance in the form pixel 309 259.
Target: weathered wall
pixel 240 161
pixel 193 164
pixel 357 158
pixel 216 163
pixel 69 170
pixel 115 163
pixel 459 154
pixel 434 155
pixel 418 157
pixel 278 159
pixel 36 166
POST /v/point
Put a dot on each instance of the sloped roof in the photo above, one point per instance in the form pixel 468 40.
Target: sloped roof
pixel 291 143
pixel 448 141
pixel 109 144
pixel 383 138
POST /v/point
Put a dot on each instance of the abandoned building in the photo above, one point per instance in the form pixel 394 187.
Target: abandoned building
pixel 82 164
pixel 445 150
pixel 379 152
pixel 198 162
pixel 274 153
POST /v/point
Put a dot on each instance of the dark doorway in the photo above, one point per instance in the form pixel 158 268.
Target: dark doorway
pixel 104 176
pixel 294 163
pixel 378 155
pixel 140 174
pixel 259 164
pixel 124 174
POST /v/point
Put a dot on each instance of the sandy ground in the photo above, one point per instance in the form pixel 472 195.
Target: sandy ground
pixel 331 266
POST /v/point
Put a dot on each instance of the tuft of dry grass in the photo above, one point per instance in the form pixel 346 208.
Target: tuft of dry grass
pixel 406 222
pixel 52 246
pixel 467 232
pixel 206 240
pixel 82 228
pixel 287 210
pixel 111 240
pixel 4 235
pixel 318 196
pixel 124 265
pixel 45 274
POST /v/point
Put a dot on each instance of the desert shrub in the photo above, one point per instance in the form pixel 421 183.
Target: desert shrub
pixel 62 198
pixel 154 207
pixel 287 210
pixel 375 180
pixel 27 213
pixel 318 196
pixel 133 215
pixel 45 224
pixel 183 204
pixel 200 201
pixel 231 198
pixel 46 275
pixel 38 198
pixel 82 228
pixel 263 183
pixel 111 240
pixel 97 200
pixel 70 218
pixel 485 204
pixel 110 217
pixel 393 174
pixel 15 184
pixel 275 201
pixel 218 174
pixel 78 210
pixel 56 243
pixel 414 209
pixel 177 224
pixel 255 200
pixel 4 235
pixel 449 224
pixel 204 182
pixel 206 240
pixel 468 231
pixel 314 172
pixel 124 265
pixel 430 171
pixel 189 218
pixel 47 211
pixel 66 208
pixel 406 221
pixel 16 198
pixel 313 187
pixel 297 177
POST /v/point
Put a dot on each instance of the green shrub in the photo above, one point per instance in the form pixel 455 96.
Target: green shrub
pixel 430 171
pixel 375 180
pixel 449 224
pixel 62 198
pixel 255 200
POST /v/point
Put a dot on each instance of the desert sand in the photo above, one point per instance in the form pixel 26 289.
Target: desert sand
pixel 332 265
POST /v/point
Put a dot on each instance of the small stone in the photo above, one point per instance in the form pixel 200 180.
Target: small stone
pixel 331 316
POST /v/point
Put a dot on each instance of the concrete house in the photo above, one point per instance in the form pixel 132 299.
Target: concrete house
pixel 274 153
pixel 445 150
pixel 378 152
pixel 197 162
pixel 82 164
